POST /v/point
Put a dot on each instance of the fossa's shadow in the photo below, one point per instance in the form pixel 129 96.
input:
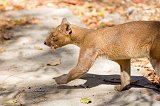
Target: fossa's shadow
pixel 93 80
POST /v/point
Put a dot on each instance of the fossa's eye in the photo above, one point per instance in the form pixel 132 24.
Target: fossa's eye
pixel 56 40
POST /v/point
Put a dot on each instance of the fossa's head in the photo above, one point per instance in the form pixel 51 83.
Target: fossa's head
pixel 59 36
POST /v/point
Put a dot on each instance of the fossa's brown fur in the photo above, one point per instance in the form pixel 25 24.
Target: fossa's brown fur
pixel 119 43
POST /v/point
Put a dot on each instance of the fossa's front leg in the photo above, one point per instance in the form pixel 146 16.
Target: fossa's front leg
pixel 86 58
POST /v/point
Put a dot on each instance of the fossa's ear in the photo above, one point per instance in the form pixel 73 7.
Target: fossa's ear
pixel 65 27
pixel 64 21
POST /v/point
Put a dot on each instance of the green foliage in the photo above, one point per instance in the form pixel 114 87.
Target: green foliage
pixel 85 100
pixel 4 2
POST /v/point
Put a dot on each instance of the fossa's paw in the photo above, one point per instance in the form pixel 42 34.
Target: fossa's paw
pixel 121 88
pixel 61 79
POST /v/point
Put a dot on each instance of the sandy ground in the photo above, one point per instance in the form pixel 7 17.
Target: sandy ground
pixel 26 77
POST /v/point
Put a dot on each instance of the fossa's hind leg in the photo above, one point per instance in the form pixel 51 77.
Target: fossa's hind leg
pixel 125 75
pixel 155 55
pixel 156 65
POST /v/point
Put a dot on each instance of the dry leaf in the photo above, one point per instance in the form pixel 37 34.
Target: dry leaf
pixel 18 7
pixel 158 98
pixel 74 2
pixel 2 7
pixel 34 21
pixel 85 100
pixel 2 50
pixel 57 62
pixel 38 48
pixel 2 89
pixel 10 102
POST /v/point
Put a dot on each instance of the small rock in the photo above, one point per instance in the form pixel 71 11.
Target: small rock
pixel 114 18
pixel 158 97
pixel 130 10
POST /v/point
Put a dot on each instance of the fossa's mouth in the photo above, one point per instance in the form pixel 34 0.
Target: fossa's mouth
pixel 54 47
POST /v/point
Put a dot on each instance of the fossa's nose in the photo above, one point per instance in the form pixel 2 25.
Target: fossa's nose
pixel 45 43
